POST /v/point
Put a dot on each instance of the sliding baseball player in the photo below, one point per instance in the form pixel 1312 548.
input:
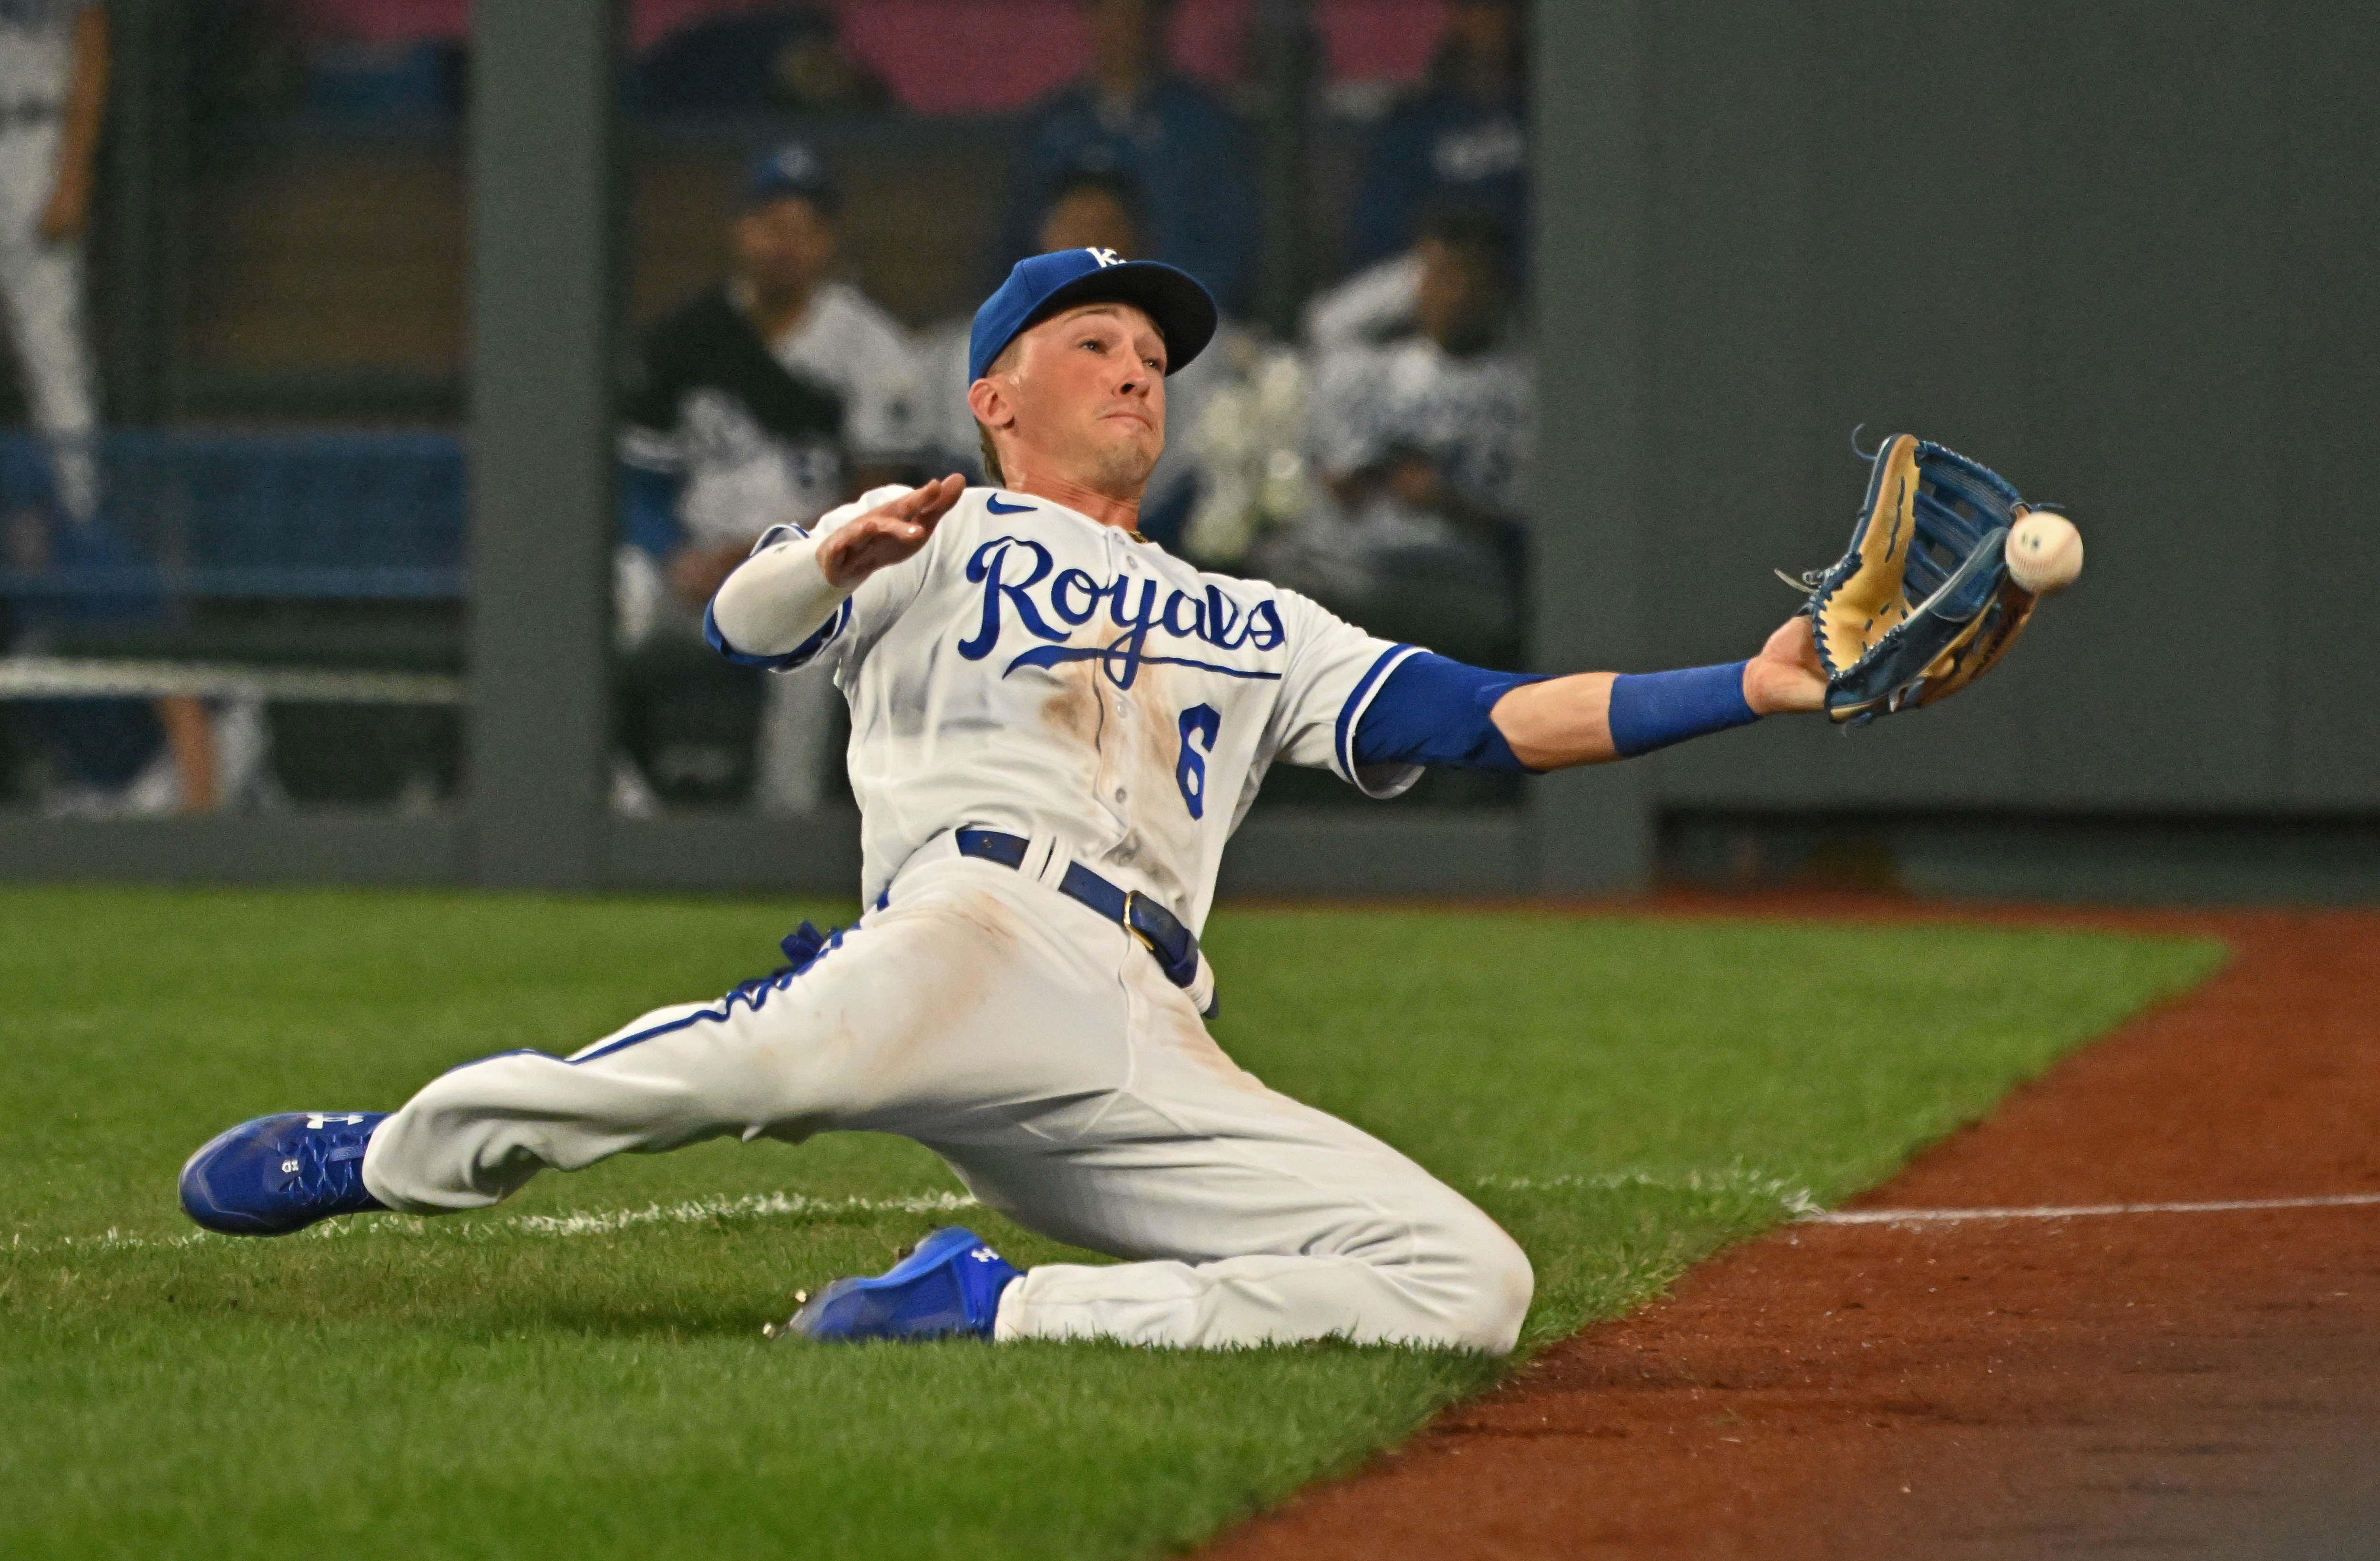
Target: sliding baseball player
pixel 1055 728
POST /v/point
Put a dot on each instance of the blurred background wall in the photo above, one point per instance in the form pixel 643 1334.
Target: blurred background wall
pixel 2118 252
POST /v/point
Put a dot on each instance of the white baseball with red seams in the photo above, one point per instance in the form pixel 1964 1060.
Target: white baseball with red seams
pixel 1032 671
pixel 2045 551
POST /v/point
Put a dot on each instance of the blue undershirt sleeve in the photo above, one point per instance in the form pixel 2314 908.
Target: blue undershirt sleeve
pixel 1434 711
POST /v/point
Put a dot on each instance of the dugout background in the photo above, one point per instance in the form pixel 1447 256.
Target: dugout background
pixel 2120 252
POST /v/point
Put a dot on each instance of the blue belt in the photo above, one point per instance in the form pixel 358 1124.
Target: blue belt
pixel 1175 946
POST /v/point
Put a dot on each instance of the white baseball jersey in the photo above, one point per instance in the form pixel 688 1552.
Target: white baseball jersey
pixel 1033 671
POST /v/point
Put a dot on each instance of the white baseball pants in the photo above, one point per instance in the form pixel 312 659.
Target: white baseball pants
pixel 1040 1052
pixel 41 283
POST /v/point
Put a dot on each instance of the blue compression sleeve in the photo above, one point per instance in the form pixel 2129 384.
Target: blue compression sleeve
pixel 1433 711
pixel 1653 710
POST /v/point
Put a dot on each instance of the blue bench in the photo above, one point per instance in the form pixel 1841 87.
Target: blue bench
pixel 283 515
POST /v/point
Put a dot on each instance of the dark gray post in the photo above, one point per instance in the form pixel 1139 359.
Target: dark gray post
pixel 541 251
pixel 1594 827
pixel 1288 57
pixel 146 154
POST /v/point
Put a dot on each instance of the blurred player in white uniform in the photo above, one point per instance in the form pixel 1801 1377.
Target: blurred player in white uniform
pixel 765 401
pixel 1056 726
pixel 54 71
pixel 52 96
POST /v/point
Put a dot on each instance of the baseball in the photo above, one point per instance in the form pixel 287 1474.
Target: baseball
pixel 2044 552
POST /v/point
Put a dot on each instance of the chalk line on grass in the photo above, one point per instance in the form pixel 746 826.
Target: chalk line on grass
pixel 1742 1179
pixel 2081 1210
pixel 1794 1200
pixel 577 1222
pixel 1736 1179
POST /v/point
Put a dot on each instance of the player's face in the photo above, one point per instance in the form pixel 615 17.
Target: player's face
pixel 785 247
pixel 1456 303
pixel 1089 392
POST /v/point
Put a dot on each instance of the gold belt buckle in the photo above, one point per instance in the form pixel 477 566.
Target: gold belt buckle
pixel 1131 899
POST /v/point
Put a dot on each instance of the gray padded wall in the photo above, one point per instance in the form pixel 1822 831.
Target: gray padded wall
pixel 1592 828
pixel 2122 252
pixel 2327 528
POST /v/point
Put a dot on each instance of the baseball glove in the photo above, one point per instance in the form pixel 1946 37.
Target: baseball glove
pixel 1922 605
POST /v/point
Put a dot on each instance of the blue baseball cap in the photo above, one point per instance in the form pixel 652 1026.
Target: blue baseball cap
pixel 1042 285
pixel 792 170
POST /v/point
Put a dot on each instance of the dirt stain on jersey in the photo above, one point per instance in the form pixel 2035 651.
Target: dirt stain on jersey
pixel 1077 709
pixel 1131 744
pixel 1175 1025
pixel 987 913
pixel 1140 748
pixel 972 939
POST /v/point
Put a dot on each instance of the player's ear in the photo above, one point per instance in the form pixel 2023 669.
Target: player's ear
pixel 988 399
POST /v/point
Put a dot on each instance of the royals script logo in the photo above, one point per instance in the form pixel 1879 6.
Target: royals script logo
pixel 1018 586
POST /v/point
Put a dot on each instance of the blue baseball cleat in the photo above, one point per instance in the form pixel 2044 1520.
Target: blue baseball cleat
pixel 949 1283
pixel 280 1174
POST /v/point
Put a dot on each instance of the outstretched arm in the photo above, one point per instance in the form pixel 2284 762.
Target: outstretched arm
pixel 781 595
pixel 1433 711
pixel 1595 718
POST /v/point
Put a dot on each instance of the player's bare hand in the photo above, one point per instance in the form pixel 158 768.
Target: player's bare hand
pixel 886 534
pixel 1786 676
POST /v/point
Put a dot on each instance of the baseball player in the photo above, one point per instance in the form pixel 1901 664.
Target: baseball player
pixel 52 96
pixel 770 397
pixel 1056 726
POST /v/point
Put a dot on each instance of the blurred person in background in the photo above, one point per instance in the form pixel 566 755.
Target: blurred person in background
pixel 1423 445
pixel 1461 140
pixel 768 400
pixel 789 61
pixel 1170 137
pixel 100 756
pixel 1096 208
pixel 54 63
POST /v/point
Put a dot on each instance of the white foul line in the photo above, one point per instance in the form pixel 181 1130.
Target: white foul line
pixel 600 1222
pixel 2080 1211
pixel 583 1222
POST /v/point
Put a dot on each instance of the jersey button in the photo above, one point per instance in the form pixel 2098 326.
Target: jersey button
pixel 1120 794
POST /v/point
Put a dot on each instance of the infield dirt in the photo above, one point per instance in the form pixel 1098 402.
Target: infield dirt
pixel 2175 1383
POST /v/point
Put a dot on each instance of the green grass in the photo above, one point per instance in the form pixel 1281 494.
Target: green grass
pixel 1625 1095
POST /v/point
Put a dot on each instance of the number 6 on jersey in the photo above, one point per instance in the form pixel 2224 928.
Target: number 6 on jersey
pixel 1204 722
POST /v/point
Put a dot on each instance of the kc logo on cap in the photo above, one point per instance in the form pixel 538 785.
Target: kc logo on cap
pixel 1041 286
